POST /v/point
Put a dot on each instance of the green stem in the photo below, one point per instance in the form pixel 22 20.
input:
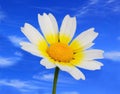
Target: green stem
pixel 55 80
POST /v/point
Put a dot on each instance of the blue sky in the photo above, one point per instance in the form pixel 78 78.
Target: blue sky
pixel 21 73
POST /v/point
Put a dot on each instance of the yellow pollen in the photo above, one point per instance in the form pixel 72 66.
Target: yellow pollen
pixel 60 52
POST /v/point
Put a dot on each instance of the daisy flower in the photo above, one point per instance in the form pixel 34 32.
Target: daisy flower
pixel 58 49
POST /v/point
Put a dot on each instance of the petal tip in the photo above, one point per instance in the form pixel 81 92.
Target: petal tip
pixel 67 16
pixel 92 28
pixel 38 14
pixel 44 14
pixel 82 78
pixel 21 28
pixel 21 43
pixel 102 64
pixel 50 14
pixel 26 24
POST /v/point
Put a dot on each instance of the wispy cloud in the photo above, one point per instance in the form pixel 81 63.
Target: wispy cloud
pixel 16 40
pixel 89 8
pixel 114 55
pixel 110 1
pixel 95 7
pixel 48 76
pixel 44 77
pixel 116 9
pixel 113 6
pixel 118 38
pixel 19 54
pixel 23 86
pixel 2 15
pixel 86 8
pixel 13 83
pixel 72 92
pixel 92 2
pixel 8 61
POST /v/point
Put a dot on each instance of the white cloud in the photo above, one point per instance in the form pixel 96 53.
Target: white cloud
pixel 116 9
pixel 118 38
pixel 2 15
pixel 91 2
pixel 96 7
pixel 44 77
pixel 47 76
pixel 18 54
pixel 16 40
pixel 25 87
pixel 86 8
pixel 13 83
pixel 5 62
pixel 110 1
pixel 72 92
pixel 114 55
pixel 113 6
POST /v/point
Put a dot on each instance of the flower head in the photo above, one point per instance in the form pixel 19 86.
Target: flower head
pixel 57 48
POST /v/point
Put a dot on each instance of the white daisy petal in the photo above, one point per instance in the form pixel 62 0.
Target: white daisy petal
pixel 47 64
pixel 73 71
pixel 67 29
pixel 84 39
pixel 88 45
pixel 77 74
pixel 32 34
pixel 90 65
pixel 93 54
pixel 85 47
pixel 49 27
pixel 30 48
pixel 54 23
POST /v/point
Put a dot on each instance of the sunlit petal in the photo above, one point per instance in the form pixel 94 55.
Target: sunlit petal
pixel 67 29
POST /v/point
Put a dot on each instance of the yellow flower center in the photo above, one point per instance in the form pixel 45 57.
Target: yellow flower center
pixel 60 52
